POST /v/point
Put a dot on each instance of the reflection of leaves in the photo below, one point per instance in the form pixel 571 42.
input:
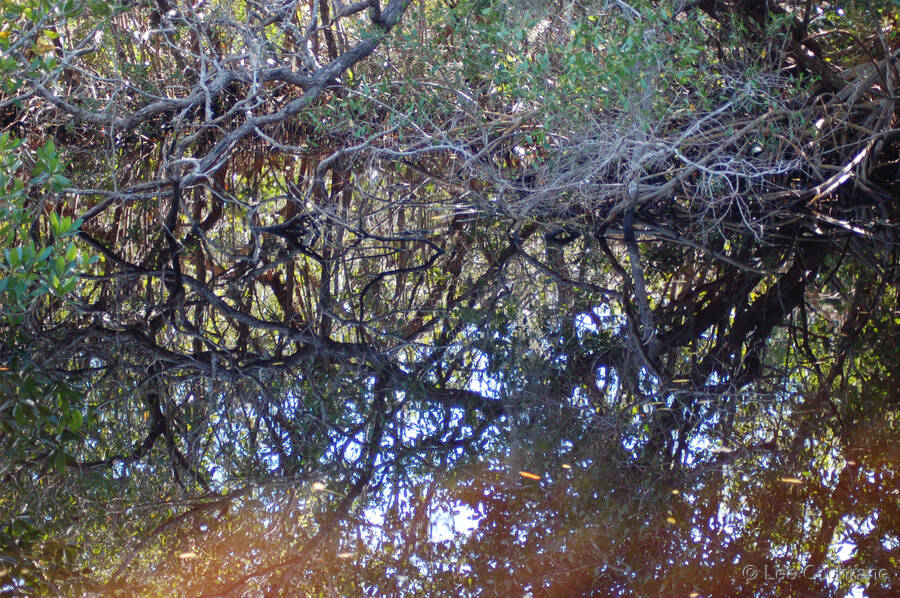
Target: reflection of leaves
pixel 194 361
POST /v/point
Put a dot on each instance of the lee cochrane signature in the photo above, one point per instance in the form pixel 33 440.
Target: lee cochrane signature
pixel 840 575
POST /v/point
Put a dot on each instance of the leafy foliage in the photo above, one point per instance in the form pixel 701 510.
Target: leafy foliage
pixel 291 291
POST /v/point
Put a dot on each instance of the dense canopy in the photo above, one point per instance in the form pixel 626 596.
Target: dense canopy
pixel 454 297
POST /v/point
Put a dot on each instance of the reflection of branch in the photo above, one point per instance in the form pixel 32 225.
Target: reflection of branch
pixel 465 399
pixel 438 252
pixel 742 347
pixel 558 278
pixel 677 238
pixel 648 338
pixel 156 430
pixel 339 514
pixel 139 451
pixel 218 503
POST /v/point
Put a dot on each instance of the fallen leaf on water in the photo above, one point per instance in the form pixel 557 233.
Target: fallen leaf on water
pixel 791 480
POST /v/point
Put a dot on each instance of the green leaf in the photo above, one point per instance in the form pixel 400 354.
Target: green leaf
pixel 19 415
pixel 60 182
pixel 59 459
pixel 54 224
pixel 76 420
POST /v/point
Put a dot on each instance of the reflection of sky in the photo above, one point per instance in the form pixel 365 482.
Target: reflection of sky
pixel 459 520
pixel 448 523
pixel 588 322
pixel 449 520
